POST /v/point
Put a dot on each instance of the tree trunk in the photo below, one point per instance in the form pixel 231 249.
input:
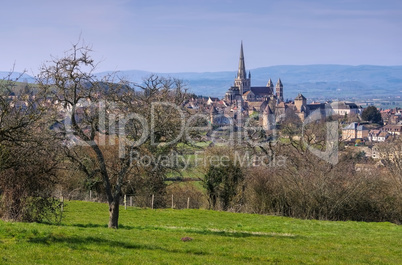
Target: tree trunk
pixel 114 214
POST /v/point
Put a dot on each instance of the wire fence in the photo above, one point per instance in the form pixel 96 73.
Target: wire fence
pixel 153 201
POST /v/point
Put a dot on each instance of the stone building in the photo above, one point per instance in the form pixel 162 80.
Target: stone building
pixel 244 100
pixel 345 108
pixel 243 92
pixel 354 131
pixel 301 106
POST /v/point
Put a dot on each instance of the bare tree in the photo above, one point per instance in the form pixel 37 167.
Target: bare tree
pixel 391 157
pixel 18 111
pixel 28 159
pixel 120 122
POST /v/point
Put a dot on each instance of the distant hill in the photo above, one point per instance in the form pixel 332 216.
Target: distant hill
pixel 314 81
pixel 21 77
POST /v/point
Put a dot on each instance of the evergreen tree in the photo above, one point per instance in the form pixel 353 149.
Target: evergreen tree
pixel 372 114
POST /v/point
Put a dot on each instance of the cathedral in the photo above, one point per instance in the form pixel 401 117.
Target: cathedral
pixel 242 91
pixel 266 103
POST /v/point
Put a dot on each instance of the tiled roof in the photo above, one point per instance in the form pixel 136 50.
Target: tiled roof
pixel 300 97
pixel 355 126
pixel 261 91
pixel 383 134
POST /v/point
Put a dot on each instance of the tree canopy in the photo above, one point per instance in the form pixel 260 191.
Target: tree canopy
pixel 372 114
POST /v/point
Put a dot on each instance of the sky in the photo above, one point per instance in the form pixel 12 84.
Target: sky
pixel 201 35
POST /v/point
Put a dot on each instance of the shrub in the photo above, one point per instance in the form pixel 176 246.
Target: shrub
pixel 338 195
pixel 182 192
pixel 27 185
pixel 222 178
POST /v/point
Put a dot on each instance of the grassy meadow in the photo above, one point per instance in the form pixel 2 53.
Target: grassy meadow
pixel 150 236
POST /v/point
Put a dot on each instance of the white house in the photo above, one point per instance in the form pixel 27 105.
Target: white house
pixel 378 136
pixel 342 108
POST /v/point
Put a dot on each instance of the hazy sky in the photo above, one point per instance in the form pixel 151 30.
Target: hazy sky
pixel 202 35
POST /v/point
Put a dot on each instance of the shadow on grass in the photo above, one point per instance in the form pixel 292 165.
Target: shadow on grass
pixel 76 242
pixel 225 233
pixel 89 225
pixel 239 234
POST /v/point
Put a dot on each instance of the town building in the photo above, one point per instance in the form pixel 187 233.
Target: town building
pixel 354 131
pixel 393 129
pixel 378 135
pixel 345 108
pixel 244 100
pixel 242 91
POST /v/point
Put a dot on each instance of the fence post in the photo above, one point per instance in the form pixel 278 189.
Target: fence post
pixel 90 195
pixel 125 202
pixel 131 201
pixel 188 202
pixel 152 202
pixel 62 203
pixel 172 201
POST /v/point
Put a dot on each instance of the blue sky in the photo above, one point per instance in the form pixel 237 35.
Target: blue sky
pixel 202 35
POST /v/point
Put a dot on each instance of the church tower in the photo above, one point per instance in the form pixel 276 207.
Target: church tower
pixel 271 86
pixel 241 81
pixel 279 90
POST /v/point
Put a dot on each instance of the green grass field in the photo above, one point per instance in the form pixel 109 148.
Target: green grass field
pixel 154 237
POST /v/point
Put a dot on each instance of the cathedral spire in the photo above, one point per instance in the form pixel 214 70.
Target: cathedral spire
pixel 241 73
pixel 270 84
pixel 241 81
pixel 279 90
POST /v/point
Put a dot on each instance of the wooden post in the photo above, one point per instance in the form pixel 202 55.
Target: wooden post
pixel 131 201
pixel 125 202
pixel 62 203
pixel 90 195
pixel 172 202
pixel 188 202
pixel 152 202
